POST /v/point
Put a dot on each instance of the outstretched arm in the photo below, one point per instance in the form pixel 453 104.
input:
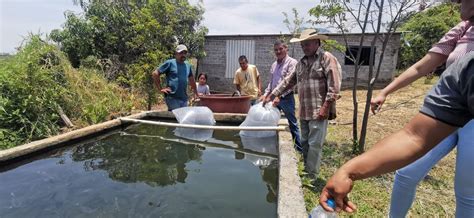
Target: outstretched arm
pixel 421 68
pixel 420 135
pixel 435 57
pixel 287 83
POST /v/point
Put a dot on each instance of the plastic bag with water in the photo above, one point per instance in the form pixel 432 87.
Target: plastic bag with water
pixel 259 115
pixel 197 116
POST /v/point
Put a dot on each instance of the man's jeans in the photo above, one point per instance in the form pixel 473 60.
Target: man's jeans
pixel 174 103
pixel 313 133
pixel 287 105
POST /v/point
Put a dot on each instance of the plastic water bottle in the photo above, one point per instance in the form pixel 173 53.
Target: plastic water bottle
pixel 319 212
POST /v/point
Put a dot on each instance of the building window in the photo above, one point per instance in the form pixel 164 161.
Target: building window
pixel 364 56
pixel 234 49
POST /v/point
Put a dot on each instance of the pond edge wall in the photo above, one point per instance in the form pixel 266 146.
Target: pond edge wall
pixel 290 193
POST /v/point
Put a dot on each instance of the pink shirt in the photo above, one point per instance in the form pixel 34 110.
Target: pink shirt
pixel 278 72
pixel 456 42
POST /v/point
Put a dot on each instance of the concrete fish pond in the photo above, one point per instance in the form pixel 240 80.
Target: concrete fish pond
pixel 120 169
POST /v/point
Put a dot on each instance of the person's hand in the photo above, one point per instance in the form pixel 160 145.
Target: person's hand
pixel 323 112
pixel 262 98
pixel 377 102
pixel 276 101
pixel 337 188
pixel 266 99
pixel 166 90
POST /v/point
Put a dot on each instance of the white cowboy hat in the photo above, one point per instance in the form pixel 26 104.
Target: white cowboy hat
pixel 309 34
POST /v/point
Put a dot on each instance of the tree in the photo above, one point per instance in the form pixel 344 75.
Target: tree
pixel 131 37
pixel 366 16
pixel 295 26
pixel 423 29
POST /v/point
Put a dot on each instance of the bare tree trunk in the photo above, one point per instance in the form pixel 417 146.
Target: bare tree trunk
pixel 335 12
pixel 355 104
pixel 363 131
pixel 393 26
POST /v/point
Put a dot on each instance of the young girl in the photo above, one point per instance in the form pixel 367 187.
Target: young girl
pixel 202 87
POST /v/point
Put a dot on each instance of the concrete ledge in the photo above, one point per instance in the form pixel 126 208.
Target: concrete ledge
pixel 290 193
pixel 38 145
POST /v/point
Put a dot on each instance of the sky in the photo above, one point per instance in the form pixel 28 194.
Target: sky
pixel 18 18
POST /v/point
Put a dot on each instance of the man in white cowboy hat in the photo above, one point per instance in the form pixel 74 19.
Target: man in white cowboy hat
pixel 177 72
pixel 318 76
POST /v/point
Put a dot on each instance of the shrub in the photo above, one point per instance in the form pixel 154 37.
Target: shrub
pixel 39 80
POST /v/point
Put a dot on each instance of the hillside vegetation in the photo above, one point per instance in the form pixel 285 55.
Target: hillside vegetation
pixel 38 80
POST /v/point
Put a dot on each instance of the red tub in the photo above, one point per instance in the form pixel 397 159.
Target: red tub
pixel 226 103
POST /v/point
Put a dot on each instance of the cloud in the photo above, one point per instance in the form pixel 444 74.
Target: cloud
pixel 251 16
pixel 222 17
pixel 20 17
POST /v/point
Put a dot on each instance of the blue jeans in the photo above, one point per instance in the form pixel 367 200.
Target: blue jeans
pixel 287 105
pixel 174 103
pixel 464 178
pixel 313 133
pixel 407 178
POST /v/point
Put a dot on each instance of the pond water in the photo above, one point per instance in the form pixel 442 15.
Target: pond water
pixel 145 171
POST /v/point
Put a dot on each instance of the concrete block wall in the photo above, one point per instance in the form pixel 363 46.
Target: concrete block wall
pixel 214 64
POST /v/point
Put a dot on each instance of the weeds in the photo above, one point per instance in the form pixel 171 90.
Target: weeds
pixel 38 80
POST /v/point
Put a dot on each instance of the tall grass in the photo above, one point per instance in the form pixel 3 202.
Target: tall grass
pixel 38 80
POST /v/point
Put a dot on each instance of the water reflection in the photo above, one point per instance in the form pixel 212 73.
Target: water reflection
pixel 268 166
pixel 156 157
pixel 145 171
pixel 132 159
pixel 268 170
pixel 261 152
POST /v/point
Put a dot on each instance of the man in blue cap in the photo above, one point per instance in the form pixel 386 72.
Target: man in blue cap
pixel 178 74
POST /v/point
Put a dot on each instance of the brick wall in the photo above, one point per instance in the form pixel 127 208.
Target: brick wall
pixel 215 46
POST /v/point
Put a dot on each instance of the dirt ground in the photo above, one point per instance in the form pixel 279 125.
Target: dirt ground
pixel 397 110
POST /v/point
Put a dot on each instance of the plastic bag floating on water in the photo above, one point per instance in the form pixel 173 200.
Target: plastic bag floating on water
pixel 196 116
pixel 259 115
